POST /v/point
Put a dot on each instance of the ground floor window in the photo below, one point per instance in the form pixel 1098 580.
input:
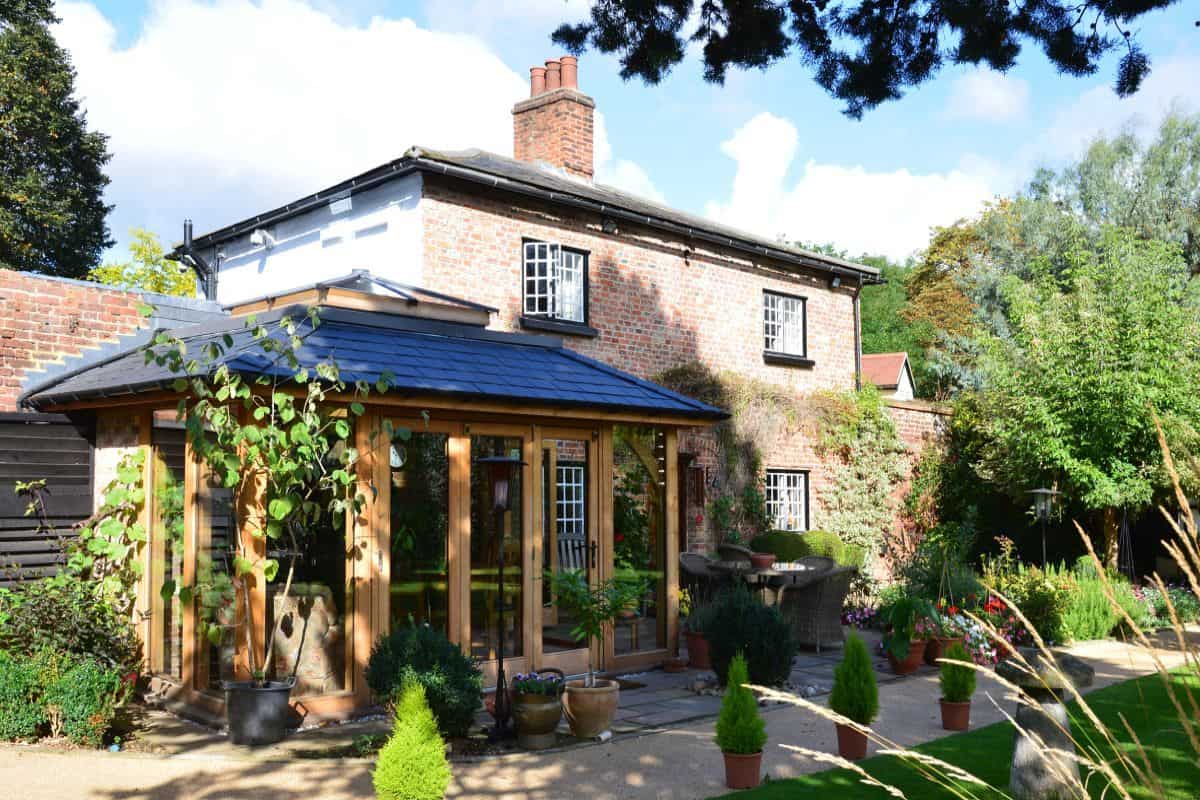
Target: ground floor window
pixel 639 479
pixel 787 499
pixel 166 541
pixel 420 529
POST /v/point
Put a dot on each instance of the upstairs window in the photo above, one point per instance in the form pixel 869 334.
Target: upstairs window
pixel 555 282
pixel 784 325
pixel 787 499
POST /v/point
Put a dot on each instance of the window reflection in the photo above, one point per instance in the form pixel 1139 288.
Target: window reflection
pixel 420 519
pixel 639 533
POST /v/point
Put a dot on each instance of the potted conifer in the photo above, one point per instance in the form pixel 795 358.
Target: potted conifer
pixel 741 733
pixel 589 704
pixel 855 696
pixel 413 762
pixel 958 684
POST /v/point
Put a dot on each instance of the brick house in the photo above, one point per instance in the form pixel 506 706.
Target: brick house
pixel 529 309
pixel 636 285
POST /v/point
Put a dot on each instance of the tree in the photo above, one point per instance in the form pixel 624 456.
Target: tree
pixel 1068 396
pixel 867 52
pixel 147 269
pixel 52 211
pixel 886 327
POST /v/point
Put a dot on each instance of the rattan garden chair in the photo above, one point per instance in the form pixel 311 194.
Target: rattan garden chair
pixel 813 607
pixel 696 576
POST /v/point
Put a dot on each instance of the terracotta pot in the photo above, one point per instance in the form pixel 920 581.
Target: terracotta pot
pixel 936 648
pixel 536 717
pixel 909 665
pixel 956 716
pixel 698 657
pixel 852 743
pixel 590 711
pixel 762 560
pixel 743 771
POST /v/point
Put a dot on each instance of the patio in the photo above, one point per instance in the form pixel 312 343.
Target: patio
pixel 661 760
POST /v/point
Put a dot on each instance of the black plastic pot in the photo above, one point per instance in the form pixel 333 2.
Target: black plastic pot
pixel 257 714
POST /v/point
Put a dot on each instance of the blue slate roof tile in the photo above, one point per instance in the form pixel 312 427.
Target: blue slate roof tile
pixel 423 357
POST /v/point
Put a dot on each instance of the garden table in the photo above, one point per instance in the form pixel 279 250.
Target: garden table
pixel 766 581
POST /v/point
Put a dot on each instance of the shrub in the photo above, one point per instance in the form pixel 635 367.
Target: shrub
pixel 939 566
pixel 742 624
pixel 855 694
pixel 700 619
pixel 1137 609
pixel 21 715
pixel 419 654
pixel 789 546
pixel 412 765
pixel 1187 605
pixel 1088 614
pixel 63 615
pixel 740 729
pixel 83 698
pixel 958 681
pixel 1042 597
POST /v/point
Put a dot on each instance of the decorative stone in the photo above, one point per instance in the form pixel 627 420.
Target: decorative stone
pixel 1038 771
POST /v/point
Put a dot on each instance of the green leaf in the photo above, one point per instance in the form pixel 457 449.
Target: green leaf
pixel 357 409
pixel 270 569
pixel 185 595
pixel 281 507
pixel 242 566
pixel 167 591
pixel 214 635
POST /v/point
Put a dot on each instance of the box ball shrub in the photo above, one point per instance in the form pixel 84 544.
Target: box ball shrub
pixel 419 654
pixel 740 728
pixel 855 693
pixel 740 623
pixel 412 765
pixel 958 681
pixel 21 715
pixel 84 697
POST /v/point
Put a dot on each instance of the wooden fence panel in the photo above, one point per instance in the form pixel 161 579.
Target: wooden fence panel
pixel 57 449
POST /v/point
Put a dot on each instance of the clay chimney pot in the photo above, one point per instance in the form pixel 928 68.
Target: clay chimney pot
pixel 570 72
pixel 537 81
pixel 553 75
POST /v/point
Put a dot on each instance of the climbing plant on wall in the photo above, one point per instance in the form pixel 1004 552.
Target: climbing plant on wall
pixel 858 440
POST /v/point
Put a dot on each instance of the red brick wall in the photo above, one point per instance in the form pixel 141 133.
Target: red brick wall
pixel 555 127
pixel 918 422
pixel 44 319
pixel 657 303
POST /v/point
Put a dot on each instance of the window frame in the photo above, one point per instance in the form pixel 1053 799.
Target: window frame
pixel 546 322
pixel 785 471
pixel 782 357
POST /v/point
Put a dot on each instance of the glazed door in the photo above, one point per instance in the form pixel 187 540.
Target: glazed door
pixel 568 540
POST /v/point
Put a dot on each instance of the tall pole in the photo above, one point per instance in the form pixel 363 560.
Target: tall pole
pixel 1043 516
pixel 503 709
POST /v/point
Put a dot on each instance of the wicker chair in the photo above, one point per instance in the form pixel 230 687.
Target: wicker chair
pixel 819 564
pixel 734 552
pixel 814 607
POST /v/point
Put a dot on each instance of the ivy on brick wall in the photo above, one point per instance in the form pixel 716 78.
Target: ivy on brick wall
pixel 858 441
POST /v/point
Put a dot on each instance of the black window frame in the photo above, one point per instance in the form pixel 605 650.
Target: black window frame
pixel 780 357
pixel 544 322
pixel 807 493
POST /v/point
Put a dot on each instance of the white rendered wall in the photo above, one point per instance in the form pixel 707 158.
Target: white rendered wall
pixel 380 231
pixel 904 387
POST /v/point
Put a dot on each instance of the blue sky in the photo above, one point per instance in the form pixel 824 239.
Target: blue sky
pixel 220 108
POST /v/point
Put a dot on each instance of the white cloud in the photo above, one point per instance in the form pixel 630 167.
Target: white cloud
pixel 222 109
pixel 619 173
pixel 513 17
pixel 1098 110
pixel 874 212
pixel 987 95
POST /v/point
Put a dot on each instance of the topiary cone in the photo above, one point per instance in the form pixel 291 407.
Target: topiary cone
pixel 412 765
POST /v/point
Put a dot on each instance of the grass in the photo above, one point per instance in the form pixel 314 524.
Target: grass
pixel 987 752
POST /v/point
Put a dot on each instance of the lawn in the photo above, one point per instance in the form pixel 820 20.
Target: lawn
pixel 986 752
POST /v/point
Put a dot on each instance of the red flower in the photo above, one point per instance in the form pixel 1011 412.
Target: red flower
pixel 699 518
pixel 131 678
pixel 953 610
pixel 620 537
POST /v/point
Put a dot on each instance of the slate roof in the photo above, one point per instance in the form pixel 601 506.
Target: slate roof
pixel 884 369
pixel 496 172
pixel 426 358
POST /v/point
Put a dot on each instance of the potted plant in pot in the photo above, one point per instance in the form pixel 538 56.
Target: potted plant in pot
pixel 855 696
pixel 958 684
pixel 285 450
pixel 589 704
pixel 537 707
pixel 741 733
pixel 940 631
pixel 902 644
pixel 695 627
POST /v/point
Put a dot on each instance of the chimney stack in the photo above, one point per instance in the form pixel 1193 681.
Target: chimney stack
pixel 554 124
